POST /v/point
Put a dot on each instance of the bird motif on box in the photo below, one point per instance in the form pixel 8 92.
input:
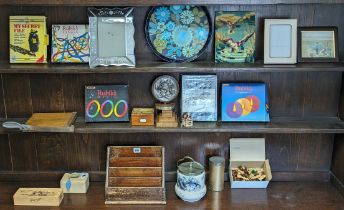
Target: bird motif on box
pixel 232 20
pixel 235 45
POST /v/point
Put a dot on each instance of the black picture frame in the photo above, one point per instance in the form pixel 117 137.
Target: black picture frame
pixel 317 59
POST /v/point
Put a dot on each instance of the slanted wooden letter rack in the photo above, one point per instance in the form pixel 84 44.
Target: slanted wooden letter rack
pixel 135 175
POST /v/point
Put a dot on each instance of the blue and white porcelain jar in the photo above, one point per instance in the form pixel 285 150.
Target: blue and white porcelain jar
pixel 190 184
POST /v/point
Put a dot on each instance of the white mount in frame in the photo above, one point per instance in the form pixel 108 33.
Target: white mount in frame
pixel 111 37
pixel 280 41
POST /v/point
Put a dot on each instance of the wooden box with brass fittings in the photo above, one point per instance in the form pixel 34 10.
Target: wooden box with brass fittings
pixel 142 117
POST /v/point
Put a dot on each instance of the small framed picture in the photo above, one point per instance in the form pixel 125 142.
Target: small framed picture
pixel 318 44
pixel 280 41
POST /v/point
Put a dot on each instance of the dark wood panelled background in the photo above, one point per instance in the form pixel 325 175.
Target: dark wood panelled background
pixel 295 94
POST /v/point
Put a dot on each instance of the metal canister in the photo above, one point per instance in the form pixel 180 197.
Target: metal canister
pixel 190 184
pixel 216 173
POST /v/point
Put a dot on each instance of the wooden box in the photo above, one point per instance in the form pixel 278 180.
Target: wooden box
pixel 249 152
pixel 135 175
pixel 75 182
pixel 38 197
pixel 142 117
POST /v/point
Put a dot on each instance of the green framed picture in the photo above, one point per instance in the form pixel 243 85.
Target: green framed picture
pixel 235 37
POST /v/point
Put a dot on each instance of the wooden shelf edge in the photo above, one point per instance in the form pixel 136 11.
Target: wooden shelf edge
pixel 163 67
pixel 171 176
pixel 158 2
pixel 277 125
pixel 337 183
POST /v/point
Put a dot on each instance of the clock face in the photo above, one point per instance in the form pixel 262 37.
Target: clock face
pixel 165 88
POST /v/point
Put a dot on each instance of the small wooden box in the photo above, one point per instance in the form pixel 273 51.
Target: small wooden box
pixel 75 182
pixel 142 117
pixel 38 197
pixel 135 175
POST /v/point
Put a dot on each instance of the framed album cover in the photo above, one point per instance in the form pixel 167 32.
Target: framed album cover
pixel 111 37
pixel 235 37
pixel 106 103
pixel 199 97
pixel 244 102
pixel 280 41
pixel 318 44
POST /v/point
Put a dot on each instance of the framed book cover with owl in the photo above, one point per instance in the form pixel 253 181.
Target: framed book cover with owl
pixel 235 37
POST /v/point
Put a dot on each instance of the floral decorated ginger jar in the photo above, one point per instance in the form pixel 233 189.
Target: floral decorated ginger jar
pixel 190 184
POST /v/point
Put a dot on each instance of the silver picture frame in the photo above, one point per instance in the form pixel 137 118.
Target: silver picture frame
pixel 111 37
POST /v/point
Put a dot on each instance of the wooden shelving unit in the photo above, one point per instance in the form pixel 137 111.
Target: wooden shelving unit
pixel 296 195
pixel 163 67
pixel 305 140
pixel 158 2
pixel 277 125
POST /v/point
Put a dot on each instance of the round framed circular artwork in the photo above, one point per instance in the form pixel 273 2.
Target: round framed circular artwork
pixel 165 88
pixel 178 33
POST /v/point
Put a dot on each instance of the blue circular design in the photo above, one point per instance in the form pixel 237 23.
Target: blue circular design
pixel 182 36
pixel 178 33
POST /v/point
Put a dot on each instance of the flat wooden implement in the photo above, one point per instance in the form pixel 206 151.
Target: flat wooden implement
pixel 52 122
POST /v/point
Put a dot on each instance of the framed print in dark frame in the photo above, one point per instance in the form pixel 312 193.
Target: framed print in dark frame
pixel 318 44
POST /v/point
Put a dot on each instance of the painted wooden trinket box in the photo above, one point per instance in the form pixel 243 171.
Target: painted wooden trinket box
pixel 75 182
pixel 38 197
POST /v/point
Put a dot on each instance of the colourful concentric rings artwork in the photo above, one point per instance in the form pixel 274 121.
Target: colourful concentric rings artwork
pixel 243 106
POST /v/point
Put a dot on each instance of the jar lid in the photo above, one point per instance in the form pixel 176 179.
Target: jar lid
pixel 217 160
pixel 191 168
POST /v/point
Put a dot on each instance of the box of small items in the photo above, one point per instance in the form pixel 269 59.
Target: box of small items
pixel 248 167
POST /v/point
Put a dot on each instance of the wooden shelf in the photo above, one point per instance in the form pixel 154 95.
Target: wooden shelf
pixel 296 195
pixel 159 2
pixel 277 125
pixel 163 67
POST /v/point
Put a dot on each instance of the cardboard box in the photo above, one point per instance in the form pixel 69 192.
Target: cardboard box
pixel 142 117
pixel 249 152
pixel 75 182
pixel 38 197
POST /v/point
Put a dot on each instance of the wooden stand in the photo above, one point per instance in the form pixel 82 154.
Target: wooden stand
pixel 166 118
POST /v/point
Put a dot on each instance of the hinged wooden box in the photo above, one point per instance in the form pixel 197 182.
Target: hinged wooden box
pixel 249 152
pixel 142 117
pixel 135 175
pixel 38 197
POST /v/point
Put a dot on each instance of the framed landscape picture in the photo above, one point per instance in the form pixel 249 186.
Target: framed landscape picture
pixel 318 44
pixel 280 41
